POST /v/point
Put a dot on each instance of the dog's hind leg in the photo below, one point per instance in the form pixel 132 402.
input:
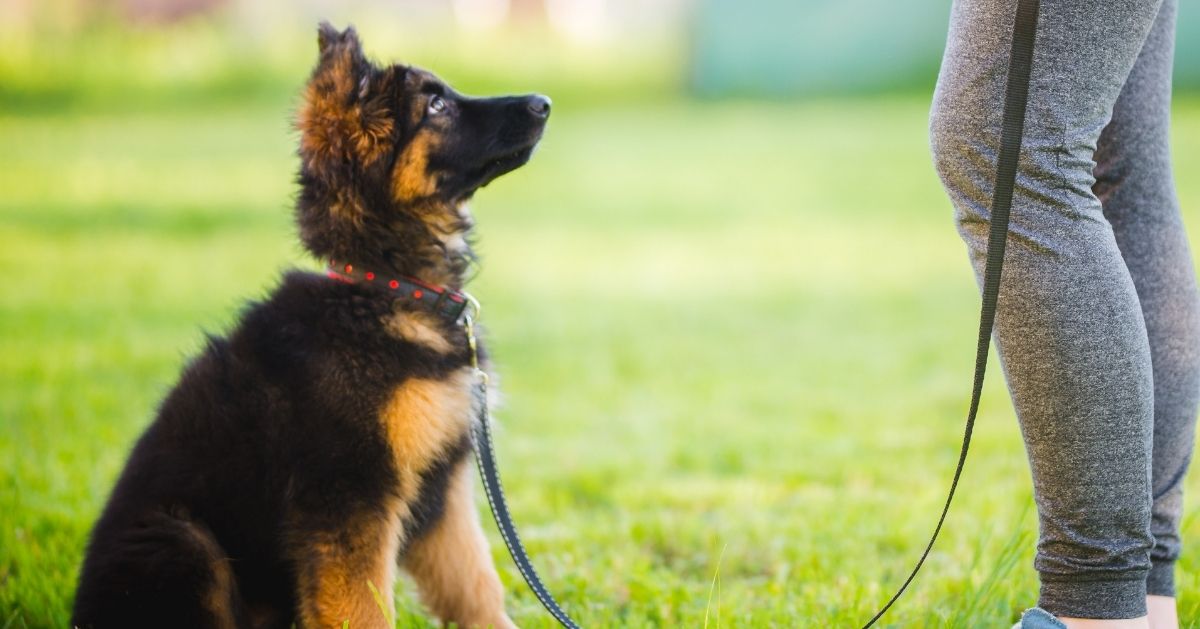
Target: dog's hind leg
pixel 452 565
pixel 160 570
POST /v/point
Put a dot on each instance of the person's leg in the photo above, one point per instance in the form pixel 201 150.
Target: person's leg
pixel 1069 327
pixel 1135 185
pixel 1162 613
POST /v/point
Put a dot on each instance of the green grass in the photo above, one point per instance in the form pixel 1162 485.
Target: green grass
pixel 735 341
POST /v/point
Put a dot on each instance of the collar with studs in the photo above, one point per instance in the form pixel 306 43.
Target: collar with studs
pixel 447 303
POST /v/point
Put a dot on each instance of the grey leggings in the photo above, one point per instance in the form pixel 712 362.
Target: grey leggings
pixel 1098 326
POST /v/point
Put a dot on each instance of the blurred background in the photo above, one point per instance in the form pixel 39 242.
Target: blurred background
pixel 732 317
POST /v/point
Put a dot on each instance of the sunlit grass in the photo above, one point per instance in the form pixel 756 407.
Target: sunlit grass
pixel 720 328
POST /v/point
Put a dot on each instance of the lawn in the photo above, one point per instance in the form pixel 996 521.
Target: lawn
pixel 735 341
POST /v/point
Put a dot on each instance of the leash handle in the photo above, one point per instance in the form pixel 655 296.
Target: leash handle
pixel 489 472
pixel 1016 99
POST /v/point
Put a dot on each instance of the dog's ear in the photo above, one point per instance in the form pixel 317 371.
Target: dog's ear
pixel 341 125
pixel 341 56
pixel 326 36
pixel 330 40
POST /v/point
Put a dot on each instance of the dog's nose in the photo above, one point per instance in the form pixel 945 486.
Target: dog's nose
pixel 539 105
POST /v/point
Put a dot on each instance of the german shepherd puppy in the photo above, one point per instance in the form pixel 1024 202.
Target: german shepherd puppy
pixel 325 439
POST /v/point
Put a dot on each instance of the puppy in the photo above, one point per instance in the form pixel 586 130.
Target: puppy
pixel 325 439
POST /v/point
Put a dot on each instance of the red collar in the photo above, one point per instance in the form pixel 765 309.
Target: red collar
pixel 440 300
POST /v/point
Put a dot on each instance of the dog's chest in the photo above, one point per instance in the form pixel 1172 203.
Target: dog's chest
pixel 426 418
pixel 421 329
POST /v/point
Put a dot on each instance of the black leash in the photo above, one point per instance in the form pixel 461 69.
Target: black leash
pixel 485 458
pixel 1015 99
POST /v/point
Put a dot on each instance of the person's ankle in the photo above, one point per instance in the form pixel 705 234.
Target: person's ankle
pixel 1162 612
pixel 1088 623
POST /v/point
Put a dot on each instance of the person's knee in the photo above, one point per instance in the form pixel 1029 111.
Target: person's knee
pixel 946 143
pixel 963 154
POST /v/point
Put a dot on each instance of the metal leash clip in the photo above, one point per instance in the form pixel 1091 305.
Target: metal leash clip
pixel 469 316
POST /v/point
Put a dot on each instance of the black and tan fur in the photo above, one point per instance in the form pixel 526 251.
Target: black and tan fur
pixel 324 440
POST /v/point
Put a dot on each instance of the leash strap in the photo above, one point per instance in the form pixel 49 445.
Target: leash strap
pixel 1015 100
pixel 485 458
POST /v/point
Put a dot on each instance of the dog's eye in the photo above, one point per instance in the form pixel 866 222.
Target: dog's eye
pixel 437 105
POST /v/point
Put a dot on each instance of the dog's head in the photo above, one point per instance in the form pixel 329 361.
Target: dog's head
pixel 395 148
